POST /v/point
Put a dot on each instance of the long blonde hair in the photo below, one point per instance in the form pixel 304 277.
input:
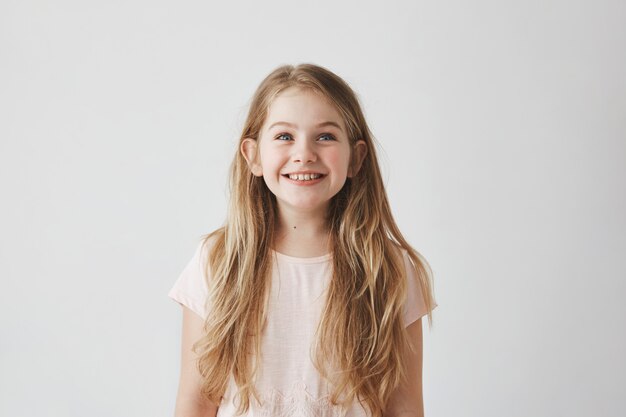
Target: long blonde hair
pixel 360 336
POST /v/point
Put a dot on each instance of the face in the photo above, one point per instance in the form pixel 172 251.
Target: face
pixel 303 137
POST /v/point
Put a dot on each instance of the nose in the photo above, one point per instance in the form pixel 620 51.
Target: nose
pixel 304 152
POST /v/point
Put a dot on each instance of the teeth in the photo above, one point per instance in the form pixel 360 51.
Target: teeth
pixel 304 177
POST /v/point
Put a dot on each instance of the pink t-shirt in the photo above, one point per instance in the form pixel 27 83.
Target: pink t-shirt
pixel 288 382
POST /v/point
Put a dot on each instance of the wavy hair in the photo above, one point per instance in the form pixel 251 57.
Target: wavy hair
pixel 360 337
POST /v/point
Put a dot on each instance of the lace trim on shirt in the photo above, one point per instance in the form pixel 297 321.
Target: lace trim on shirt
pixel 298 403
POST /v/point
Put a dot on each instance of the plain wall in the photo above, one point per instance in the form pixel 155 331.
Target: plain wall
pixel 502 132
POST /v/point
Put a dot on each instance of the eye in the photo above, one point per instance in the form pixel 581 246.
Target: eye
pixel 279 136
pixel 327 135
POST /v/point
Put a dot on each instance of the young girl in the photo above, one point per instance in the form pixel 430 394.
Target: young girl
pixel 308 301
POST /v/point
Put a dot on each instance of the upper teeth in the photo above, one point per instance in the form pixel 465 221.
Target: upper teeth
pixel 304 177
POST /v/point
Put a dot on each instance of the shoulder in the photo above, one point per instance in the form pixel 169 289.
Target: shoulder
pixel 400 253
pixel 208 243
pixel 419 277
pixel 414 262
pixel 209 240
pixel 197 269
pixel 192 286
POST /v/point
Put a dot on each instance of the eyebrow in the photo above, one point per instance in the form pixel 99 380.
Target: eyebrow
pixel 329 123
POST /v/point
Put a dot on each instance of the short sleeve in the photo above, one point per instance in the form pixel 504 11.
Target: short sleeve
pixel 415 306
pixel 190 289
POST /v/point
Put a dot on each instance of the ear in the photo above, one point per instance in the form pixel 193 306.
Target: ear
pixel 359 151
pixel 249 151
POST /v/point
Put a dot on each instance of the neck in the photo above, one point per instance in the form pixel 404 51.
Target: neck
pixel 303 232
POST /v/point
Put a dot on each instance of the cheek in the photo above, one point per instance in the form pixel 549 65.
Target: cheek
pixel 340 160
pixel 268 156
pixel 272 161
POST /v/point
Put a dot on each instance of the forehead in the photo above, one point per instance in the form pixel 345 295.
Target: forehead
pixel 304 108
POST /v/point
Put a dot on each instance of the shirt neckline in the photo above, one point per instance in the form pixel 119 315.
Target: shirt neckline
pixel 298 260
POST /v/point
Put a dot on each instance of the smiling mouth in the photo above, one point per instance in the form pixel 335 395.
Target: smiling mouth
pixel 304 177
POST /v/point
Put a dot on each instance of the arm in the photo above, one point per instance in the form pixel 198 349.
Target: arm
pixel 407 400
pixel 189 402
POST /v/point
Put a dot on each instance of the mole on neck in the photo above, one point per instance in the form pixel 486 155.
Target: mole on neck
pixel 302 242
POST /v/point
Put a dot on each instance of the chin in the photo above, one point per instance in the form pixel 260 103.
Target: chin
pixel 307 205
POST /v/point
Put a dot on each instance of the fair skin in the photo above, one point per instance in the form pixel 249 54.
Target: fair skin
pixel 281 149
pixel 407 400
pixel 303 145
pixel 189 401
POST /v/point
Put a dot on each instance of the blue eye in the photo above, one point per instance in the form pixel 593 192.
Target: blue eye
pixel 281 135
pixel 328 135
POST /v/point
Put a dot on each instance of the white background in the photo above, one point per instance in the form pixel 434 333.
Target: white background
pixel 502 128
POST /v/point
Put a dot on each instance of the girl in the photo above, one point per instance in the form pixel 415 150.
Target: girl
pixel 308 301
